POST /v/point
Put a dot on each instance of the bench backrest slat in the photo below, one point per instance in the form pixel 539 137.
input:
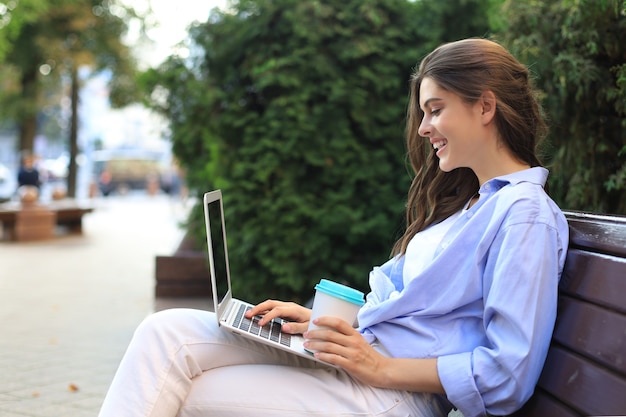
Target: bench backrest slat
pixel 597 278
pixel 582 385
pixel 594 332
pixel 600 233
pixel 543 404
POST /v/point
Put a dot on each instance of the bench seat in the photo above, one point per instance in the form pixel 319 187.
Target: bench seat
pixel 67 214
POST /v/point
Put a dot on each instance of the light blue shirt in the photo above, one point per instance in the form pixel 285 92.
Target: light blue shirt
pixel 486 304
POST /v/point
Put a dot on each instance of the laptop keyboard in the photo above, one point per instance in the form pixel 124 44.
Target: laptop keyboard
pixel 270 331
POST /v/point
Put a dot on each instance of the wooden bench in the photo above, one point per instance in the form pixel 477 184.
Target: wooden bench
pixel 68 214
pixel 585 372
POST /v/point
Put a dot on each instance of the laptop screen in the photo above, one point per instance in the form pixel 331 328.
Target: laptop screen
pixel 218 246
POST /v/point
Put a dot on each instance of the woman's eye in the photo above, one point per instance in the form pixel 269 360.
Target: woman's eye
pixel 435 112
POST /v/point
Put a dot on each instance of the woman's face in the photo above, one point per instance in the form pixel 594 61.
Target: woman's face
pixel 453 127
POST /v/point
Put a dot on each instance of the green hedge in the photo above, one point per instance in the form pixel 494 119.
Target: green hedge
pixel 296 110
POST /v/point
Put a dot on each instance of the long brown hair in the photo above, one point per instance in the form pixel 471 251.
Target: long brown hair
pixel 467 68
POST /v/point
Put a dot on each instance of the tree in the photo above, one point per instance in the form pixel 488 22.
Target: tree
pixel 13 16
pixel 71 34
pixel 296 110
pixel 576 49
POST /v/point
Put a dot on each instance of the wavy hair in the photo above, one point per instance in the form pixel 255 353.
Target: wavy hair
pixel 467 68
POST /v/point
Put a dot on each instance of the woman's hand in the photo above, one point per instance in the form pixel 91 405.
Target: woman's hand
pixel 299 316
pixel 340 344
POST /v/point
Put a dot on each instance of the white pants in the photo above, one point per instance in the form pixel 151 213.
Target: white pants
pixel 180 363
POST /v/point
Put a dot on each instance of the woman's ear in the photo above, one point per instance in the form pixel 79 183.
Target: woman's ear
pixel 488 102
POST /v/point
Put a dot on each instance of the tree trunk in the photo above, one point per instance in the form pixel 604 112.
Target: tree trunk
pixel 28 121
pixel 73 168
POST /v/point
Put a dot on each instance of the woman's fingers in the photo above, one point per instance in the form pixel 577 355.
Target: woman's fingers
pixel 272 309
pixel 339 344
pixel 295 327
pixel 262 308
pixel 335 336
pixel 334 323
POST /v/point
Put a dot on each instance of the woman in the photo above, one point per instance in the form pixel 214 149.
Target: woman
pixel 460 317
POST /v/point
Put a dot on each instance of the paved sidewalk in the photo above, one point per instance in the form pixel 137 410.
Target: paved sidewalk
pixel 68 306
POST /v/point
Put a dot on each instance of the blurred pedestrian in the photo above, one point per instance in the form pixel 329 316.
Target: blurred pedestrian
pixel 28 173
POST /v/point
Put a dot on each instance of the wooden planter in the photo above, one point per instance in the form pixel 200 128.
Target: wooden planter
pixel 183 274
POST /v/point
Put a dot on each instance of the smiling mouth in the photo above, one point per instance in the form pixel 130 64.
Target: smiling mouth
pixel 439 144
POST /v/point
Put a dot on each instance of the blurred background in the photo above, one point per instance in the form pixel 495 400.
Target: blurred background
pixel 295 108
pixel 130 109
pixel 60 64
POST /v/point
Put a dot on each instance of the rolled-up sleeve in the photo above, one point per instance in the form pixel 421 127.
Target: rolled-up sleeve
pixel 457 378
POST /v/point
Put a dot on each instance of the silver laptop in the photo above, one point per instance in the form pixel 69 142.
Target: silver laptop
pixel 228 310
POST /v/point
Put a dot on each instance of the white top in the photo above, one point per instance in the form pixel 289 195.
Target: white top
pixel 421 249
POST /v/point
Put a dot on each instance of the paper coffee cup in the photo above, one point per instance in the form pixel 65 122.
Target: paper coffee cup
pixel 335 300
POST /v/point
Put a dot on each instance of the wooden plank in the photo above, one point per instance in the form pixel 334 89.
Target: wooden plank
pixel 598 278
pixel 70 213
pixel 182 275
pixel 187 288
pixel 543 405
pixel 7 215
pixel 592 331
pixel 582 385
pixel 601 233
pixel 72 218
pixel 182 267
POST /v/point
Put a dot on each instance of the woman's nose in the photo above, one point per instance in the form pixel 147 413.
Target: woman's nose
pixel 424 128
